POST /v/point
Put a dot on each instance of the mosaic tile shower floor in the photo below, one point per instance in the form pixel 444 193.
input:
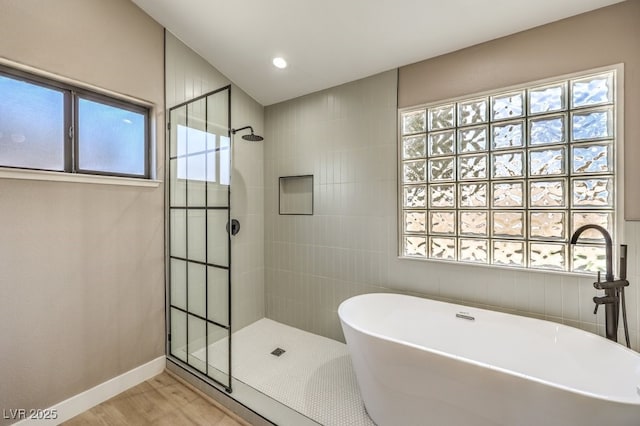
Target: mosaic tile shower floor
pixel 313 375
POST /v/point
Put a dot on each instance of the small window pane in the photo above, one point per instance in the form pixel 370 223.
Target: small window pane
pixel 415 196
pixel 592 90
pixel 196 286
pixel 178 334
pixel 472 112
pixel 413 122
pixel 442 169
pixel 547 99
pixel 32 133
pixel 415 246
pixel 604 219
pixel 589 258
pixel 508 224
pixel 473 139
pixel 474 250
pixel 414 171
pixel 217 242
pixel 413 147
pixel 547 162
pixel 218 354
pixel 592 193
pixel 547 225
pixel 474 223
pixel 473 195
pixel 472 167
pixel 548 256
pixel 508 253
pixel 111 139
pixel 592 158
pixel 179 283
pixel 593 124
pixel 178 221
pixel 507 106
pixel 177 185
pixel 442 117
pixel 548 130
pixel 442 143
pixel 197 234
pixel 415 222
pixel 507 135
pixel 508 164
pixel 442 196
pixel 547 193
pixel 196 331
pixel 196 175
pixel 218 296
pixel 442 248
pixel 442 222
pixel 508 194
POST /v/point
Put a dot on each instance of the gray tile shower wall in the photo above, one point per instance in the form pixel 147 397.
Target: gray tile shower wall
pixel 346 137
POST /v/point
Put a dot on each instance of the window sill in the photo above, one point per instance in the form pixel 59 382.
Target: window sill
pixel 8 173
pixel 503 267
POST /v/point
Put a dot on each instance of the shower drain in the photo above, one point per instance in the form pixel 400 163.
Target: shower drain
pixel 278 351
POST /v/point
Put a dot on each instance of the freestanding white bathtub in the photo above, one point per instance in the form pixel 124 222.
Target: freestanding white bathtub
pixel 423 362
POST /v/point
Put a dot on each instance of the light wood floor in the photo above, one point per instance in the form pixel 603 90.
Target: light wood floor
pixel 162 400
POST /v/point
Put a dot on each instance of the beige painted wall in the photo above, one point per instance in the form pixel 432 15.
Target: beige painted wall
pixel 81 265
pixel 603 37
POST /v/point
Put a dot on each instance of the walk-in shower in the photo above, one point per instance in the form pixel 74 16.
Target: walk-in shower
pixel 312 380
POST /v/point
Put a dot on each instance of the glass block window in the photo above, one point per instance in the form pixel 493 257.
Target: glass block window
pixel 506 178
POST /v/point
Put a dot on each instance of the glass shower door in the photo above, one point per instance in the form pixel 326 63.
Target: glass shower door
pixel 199 241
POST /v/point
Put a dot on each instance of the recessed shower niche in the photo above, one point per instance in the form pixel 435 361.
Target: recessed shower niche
pixel 296 195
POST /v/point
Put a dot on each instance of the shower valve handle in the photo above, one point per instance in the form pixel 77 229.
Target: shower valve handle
pixel 235 227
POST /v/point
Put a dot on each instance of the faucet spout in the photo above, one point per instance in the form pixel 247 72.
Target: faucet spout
pixel 611 287
pixel 608 243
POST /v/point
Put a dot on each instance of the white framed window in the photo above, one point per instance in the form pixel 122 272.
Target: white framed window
pixel 505 178
pixel 50 125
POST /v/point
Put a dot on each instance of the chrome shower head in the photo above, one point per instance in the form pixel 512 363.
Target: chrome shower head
pixel 251 138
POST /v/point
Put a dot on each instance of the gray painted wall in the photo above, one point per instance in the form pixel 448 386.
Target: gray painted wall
pixel 81 265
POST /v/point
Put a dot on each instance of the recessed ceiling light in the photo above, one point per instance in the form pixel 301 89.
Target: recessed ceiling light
pixel 279 62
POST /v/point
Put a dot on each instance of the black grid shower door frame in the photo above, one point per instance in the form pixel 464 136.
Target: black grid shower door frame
pixel 170 306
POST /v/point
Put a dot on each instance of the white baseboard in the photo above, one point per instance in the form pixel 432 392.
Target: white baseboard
pixel 82 402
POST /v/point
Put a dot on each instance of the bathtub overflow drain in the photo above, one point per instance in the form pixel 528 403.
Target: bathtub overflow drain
pixel 278 351
pixel 465 316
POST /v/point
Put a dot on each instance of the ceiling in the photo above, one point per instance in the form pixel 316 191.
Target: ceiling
pixel 330 42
